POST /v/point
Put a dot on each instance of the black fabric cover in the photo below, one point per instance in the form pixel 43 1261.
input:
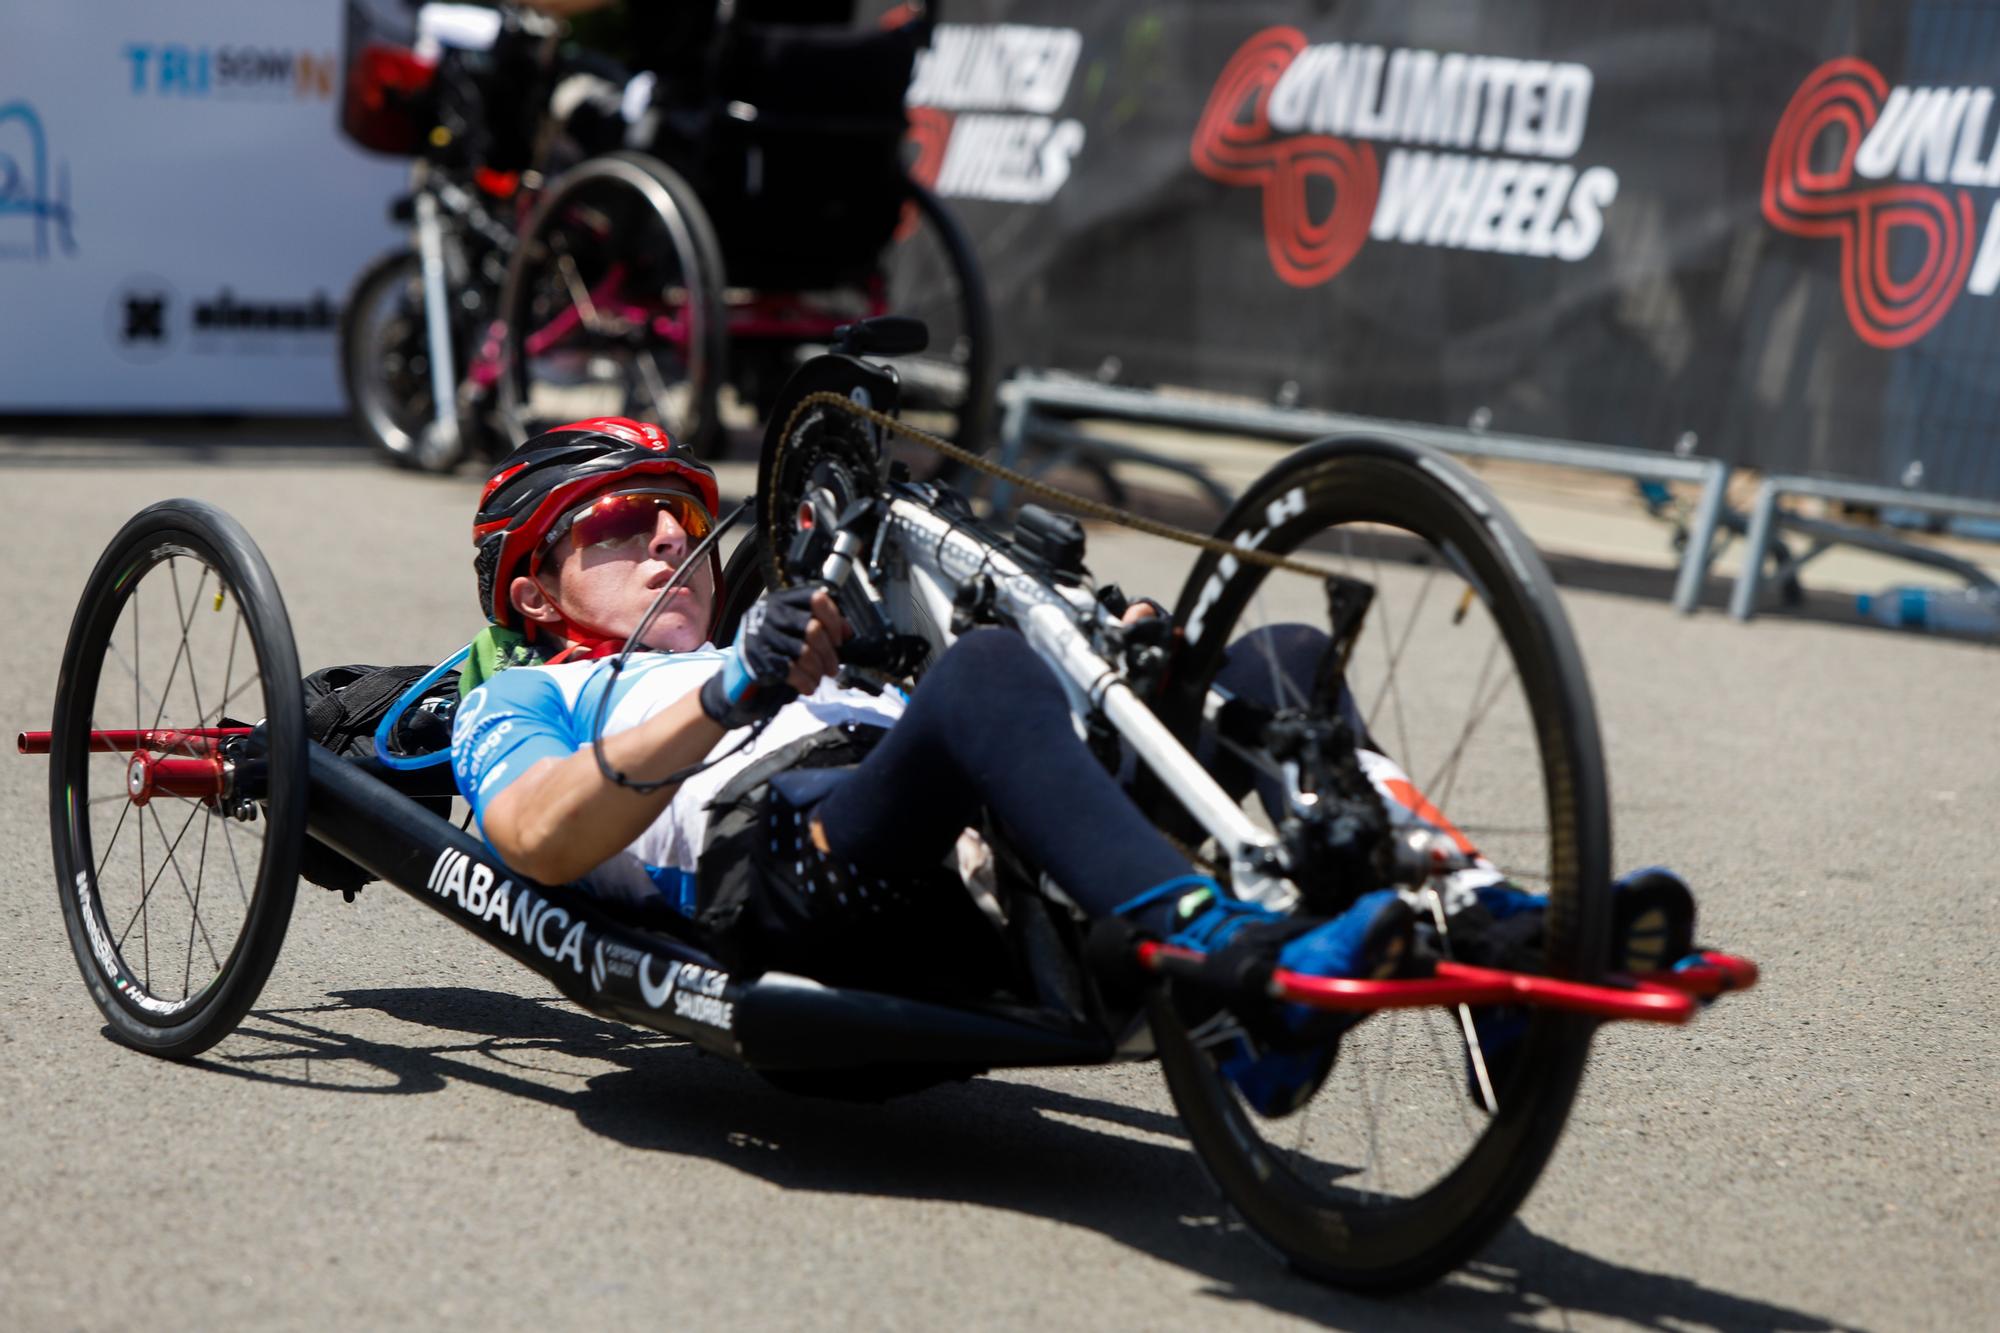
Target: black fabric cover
pixel 344 706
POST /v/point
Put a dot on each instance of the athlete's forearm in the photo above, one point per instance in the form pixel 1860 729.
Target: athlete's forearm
pixel 563 818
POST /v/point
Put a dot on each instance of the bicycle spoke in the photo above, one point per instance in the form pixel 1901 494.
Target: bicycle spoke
pixel 229 841
pixel 1447 773
pixel 1409 632
pixel 138 713
pixel 159 874
pixel 579 295
pixel 223 707
pixel 116 829
pixel 1388 690
pixel 1280 686
pixel 194 676
pixel 1447 1054
pixel 1219 1029
pixel 186 892
pixel 201 873
pixel 167 690
pixel 144 894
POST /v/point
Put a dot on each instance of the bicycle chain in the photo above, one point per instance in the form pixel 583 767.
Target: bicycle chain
pixel 1081 504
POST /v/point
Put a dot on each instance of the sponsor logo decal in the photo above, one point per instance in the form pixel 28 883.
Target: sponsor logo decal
pixel 1490 171
pixel 1888 174
pixel 227 313
pixel 139 318
pixel 35 218
pixel 107 957
pixel 1276 514
pixel 694 992
pixel 246 73
pixel 983 106
pixel 147 318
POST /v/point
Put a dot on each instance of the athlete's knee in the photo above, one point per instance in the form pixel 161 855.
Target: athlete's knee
pixel 992 663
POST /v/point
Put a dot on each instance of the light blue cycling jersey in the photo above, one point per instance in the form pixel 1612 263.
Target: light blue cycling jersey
pixel 527 714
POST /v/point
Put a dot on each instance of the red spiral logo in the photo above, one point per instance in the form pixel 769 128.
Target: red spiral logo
pixel 1846 96
pixel 1234 144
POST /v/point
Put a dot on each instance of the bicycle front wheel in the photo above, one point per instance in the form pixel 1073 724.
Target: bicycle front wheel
pixel 1464 674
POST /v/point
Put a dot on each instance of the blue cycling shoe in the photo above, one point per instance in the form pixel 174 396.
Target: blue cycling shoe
pixel 1652 929
pixel 1278 1066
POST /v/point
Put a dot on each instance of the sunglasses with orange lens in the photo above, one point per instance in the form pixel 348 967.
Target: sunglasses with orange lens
pixel 627 518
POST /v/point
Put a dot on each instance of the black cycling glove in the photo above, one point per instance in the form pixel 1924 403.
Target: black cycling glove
pixel 751 685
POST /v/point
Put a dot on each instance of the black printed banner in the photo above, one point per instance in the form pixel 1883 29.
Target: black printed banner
pixel 1769 233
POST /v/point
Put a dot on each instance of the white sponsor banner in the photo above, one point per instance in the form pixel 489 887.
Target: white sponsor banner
pixel 179 216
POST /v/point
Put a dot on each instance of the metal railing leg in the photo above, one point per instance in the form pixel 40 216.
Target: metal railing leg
pixel 1756 544
pixel 1700 550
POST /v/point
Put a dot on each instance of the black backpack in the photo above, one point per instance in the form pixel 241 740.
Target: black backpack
pixel 344 706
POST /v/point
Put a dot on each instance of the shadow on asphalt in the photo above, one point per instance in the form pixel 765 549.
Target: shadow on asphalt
pixel 988 1143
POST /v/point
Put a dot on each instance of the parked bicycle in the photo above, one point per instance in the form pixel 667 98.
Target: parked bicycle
pixel 456 89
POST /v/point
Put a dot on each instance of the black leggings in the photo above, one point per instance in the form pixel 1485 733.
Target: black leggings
pixel 989 728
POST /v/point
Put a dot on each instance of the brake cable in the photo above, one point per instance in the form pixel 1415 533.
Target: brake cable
pixel 692 562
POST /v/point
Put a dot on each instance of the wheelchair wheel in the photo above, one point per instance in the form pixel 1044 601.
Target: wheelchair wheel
pixel 1464 672
pixel 385 365
pixel 613 305
pixel 176 853
pixel 933 274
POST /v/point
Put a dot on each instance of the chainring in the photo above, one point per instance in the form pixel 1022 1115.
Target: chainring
pixel 829 460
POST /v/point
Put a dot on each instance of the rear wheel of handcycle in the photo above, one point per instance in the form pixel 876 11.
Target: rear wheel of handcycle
pixel 176 905
pixel 385 366
pixel 1464 672
pixel 613 305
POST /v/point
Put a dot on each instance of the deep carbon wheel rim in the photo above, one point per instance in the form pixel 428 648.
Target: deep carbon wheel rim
pixel 1377 1192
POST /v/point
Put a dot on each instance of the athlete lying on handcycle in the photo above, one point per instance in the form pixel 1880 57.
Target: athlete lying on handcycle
pixel 813 838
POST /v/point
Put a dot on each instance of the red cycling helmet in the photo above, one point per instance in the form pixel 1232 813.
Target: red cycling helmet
pixel 540 481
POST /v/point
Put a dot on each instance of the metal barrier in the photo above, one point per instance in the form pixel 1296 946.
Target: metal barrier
pixel 1766 519
pixel 1032 404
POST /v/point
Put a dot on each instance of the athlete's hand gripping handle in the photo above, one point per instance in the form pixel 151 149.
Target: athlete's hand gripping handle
pixel 789 642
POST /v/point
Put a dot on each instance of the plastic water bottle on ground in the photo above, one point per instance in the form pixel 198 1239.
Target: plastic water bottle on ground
pixel 1950 610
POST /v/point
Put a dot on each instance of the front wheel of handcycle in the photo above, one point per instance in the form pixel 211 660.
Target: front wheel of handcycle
pixel 177 778
pixel 1463 676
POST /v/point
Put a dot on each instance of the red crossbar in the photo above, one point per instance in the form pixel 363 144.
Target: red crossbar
pixel 1659 997
pixel 192 740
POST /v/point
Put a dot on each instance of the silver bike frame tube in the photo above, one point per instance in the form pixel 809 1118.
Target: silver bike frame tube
pixel 943 555
pixel 437 316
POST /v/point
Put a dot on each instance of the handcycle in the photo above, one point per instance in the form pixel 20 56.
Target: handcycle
pixel 1394 1172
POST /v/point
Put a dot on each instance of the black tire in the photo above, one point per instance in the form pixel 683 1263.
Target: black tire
pixel 623 230
pixel 934 275
pixel 178 550
pixel 1327 500
pixel 743 582
pixel 385 365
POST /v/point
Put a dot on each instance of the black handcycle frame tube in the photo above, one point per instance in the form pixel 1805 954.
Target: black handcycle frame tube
pixel 653 980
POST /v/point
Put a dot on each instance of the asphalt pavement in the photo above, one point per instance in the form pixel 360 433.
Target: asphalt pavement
pixel 410 1130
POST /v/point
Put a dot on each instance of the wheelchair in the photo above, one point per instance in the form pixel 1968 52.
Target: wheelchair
pixel 765 205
